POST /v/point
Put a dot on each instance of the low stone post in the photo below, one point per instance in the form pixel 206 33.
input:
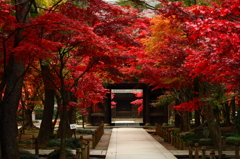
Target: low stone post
pixel 212 154
pixel 236 150
pixel 196 145
pixel 204 152
pixel 190 153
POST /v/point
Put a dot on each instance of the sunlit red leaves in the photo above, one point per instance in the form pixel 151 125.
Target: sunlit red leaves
pixel 217 36
pixel 189 106
pixel 138 101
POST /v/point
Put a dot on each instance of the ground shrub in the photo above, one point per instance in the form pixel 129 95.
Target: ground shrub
pixel 53 143
pixel 191 137
pixel 71 143
pixel 31 156
pixel 231 140
pixel 84 131
pixel 232 134
pixel 206 142
pixel 24 142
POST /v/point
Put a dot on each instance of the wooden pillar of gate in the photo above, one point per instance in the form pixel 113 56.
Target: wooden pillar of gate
pixel 146 106
pixel 107 110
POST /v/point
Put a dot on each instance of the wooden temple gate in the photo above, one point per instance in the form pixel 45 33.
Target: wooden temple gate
pixel 150 115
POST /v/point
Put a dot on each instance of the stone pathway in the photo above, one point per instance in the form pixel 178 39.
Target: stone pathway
pixel 135 143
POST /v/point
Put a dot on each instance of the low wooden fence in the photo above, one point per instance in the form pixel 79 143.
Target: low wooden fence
pixel 84 151
pixel 81 153
pixel 197 149
pixel 176 141
pixel 96 135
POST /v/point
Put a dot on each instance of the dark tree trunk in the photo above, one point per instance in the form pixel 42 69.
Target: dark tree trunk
pixel 226 114
pixel 28 120
pixel 9 104
pixel 8 122
pixel 233 115
pixel 63 123
pixel 71 120
pixel 185 121
pixel 46 125
pixel 71 117
pixel 213 120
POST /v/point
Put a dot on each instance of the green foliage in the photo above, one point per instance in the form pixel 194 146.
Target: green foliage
pixel 78 116
pixel 52 136
pixel 206 142
pixel 28 156
pixel 164 100
pixel 53 143
pixel 232 133
pixel 175 131
pixel 39 112
pixel 71 143
pixel 150 128
pixel 232 140
pixel 84 131
pixel 190 137
pixel 56 154
pixel 24 142
pixel 217 97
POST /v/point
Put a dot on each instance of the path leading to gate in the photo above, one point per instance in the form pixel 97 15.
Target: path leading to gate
pixel 135 143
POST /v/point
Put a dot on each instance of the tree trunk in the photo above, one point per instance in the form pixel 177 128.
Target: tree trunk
pixel 185 125
pixel 9 105
pixel 233 107
pixel 71 120
pixel 226 114
pixel 28 120
pixel 46 124
pixel 71 114
pixel 214 127
pixel 8 122
pixel 62 125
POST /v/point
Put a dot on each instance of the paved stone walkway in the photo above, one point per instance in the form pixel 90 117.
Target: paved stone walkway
pixel 135 143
